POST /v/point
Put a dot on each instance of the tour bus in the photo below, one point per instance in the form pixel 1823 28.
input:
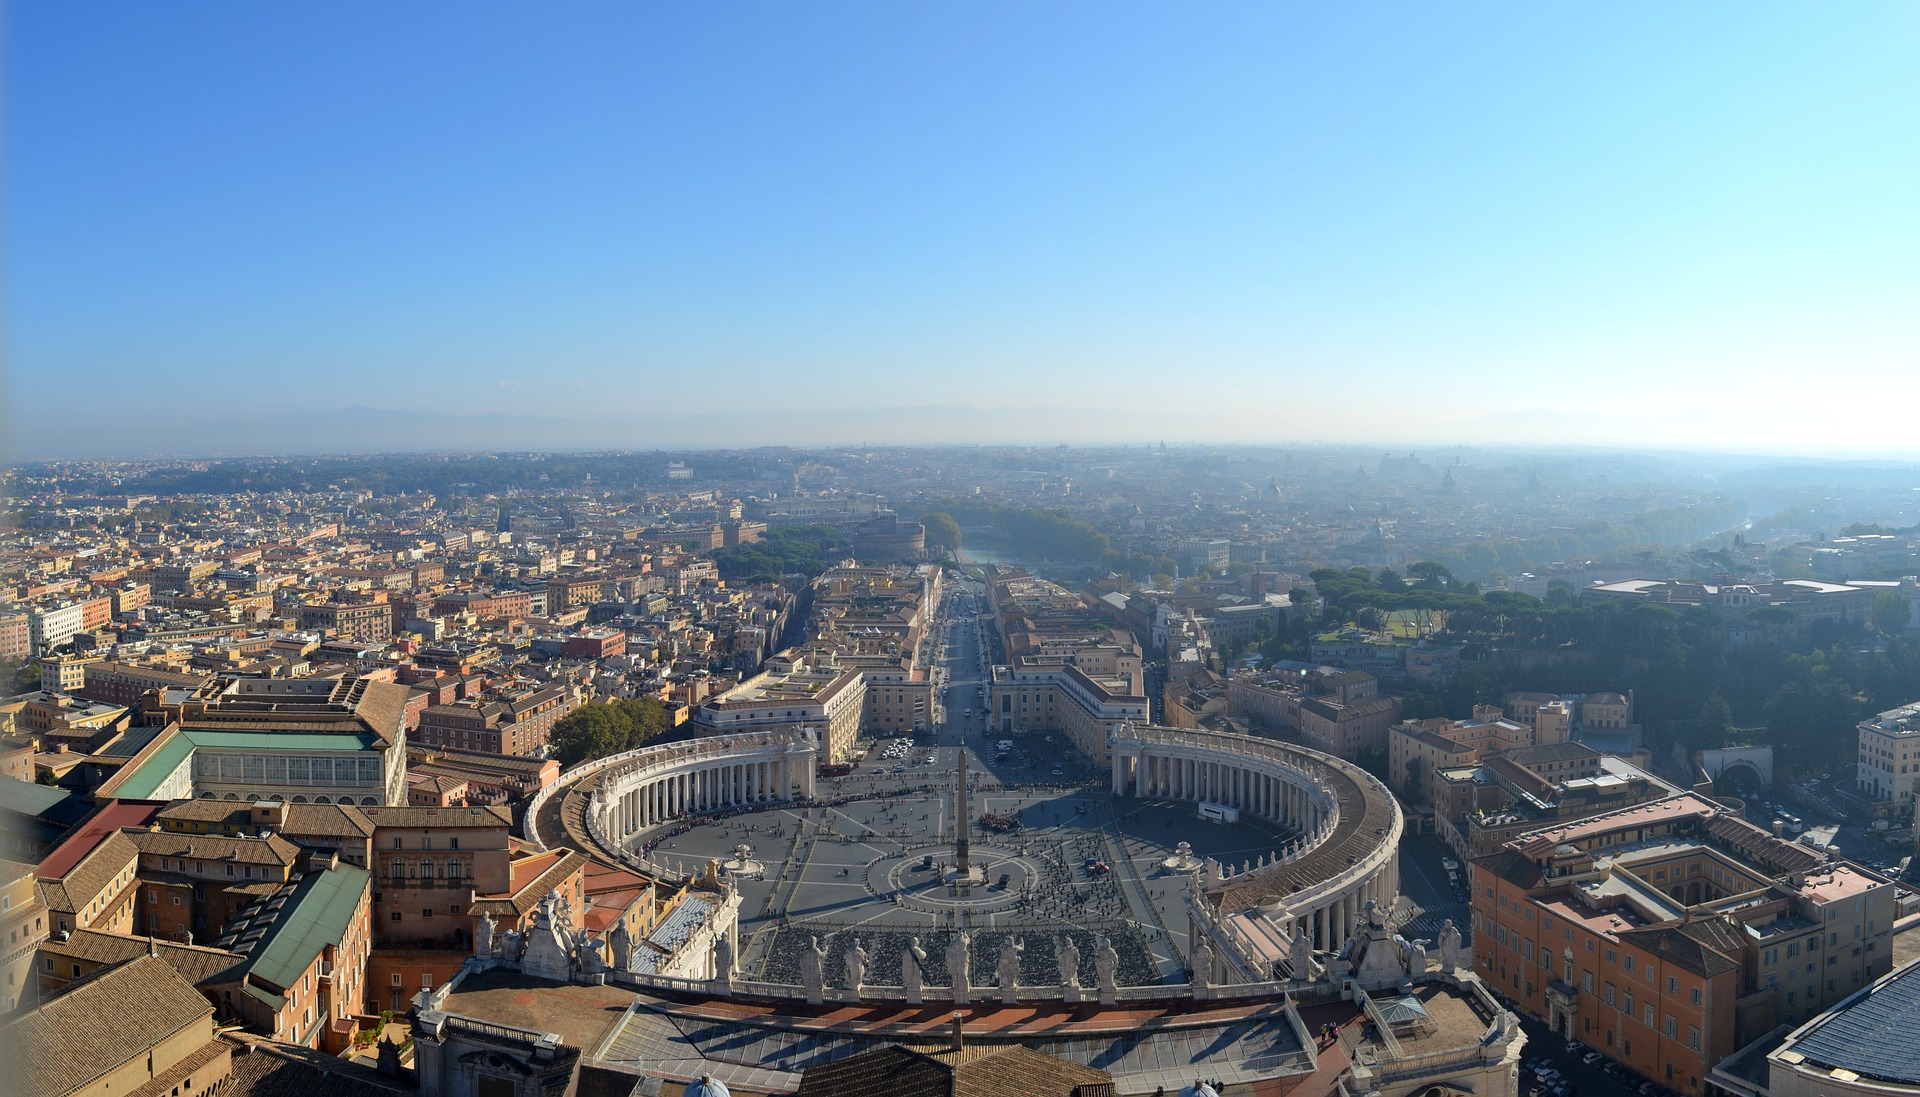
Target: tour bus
pixel 1003 748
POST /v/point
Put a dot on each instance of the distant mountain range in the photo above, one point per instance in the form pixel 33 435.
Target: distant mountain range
pixel 362 429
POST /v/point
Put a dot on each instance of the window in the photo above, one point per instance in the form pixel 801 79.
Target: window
pixel 1673 985
pixel 1629 965
pixel 396 978
pixel 396 916
pixel 1693 1038
pixel 397 842
pixel 1672 1026
pixel 1695 993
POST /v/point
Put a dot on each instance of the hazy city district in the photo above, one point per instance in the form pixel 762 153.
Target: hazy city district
pixel 1076 770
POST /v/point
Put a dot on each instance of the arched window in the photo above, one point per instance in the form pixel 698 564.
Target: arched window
pixel 399 870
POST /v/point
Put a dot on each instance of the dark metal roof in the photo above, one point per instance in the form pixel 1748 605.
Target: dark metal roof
pixel 1858 1037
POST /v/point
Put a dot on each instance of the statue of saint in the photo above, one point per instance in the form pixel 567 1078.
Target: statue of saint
pixel 591 962
pixel 958 956
pixel 620 947
pixel 856 962
pixel 722 956
pixel 483 935
pixel 1106 962
pixel 1303 957
pixel 813 967
pixel 1449 946
pixel 1200 964
pixel 1008 970
pixel 1069 957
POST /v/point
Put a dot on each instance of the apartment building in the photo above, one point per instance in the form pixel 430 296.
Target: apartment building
pixel 1418 750
pixel 515 720
pixel 120 683
pixel 1063 699
pixel 1669 934
pixel 306 946
pixel 191 885
pixel 24 920
pixel 1334 710
pixel 361 622
pixel 1889 755
pixel 793 692
pixel 429 864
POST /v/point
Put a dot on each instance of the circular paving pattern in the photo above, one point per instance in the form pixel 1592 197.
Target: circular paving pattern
pixel 911 879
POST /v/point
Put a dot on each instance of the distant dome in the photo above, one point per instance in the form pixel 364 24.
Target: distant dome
pixel 709 1086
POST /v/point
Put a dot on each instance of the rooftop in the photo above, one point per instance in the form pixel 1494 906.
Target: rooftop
pixel 1854 1036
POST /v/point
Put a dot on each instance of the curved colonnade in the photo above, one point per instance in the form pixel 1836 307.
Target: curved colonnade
pixel 609 800
pixel 1348 855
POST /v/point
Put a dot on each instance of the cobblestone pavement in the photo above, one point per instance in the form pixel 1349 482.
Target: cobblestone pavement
pixel 853 865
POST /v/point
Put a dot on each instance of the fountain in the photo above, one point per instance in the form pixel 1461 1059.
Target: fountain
pixel 1183 862
pixel 742 863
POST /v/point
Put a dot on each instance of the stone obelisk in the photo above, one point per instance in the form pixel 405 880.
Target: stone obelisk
pixel 962 824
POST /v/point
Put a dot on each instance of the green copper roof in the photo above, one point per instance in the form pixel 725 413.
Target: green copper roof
pixel 140 783
pixel 279 740
pixel 320 914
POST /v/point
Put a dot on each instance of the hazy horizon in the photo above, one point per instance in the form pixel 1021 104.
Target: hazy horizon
pixel 1643 226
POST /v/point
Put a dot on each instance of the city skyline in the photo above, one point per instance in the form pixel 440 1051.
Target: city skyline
pixel 1643 227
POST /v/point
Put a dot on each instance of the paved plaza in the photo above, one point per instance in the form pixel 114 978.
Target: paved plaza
pixel 867 861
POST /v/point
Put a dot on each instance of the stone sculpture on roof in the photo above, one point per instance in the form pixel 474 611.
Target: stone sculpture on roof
pixel 1450 957
pixel 958 957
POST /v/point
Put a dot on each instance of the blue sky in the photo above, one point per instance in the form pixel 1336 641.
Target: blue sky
pixel 1679 224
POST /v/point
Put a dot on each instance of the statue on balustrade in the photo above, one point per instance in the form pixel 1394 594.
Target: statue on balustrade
pixel 1069 957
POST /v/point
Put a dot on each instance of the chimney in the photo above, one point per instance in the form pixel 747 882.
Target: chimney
pixel 959 1039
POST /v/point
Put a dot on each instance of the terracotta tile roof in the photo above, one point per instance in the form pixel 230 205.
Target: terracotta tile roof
pixel 490 816
pixel 271 850
pixel 196 964
pixel 262 1068
pixel 1512 866
pixel 93 874
pixel 62 1046
pixel 560 864
pixel 326 820
pixel 1692 946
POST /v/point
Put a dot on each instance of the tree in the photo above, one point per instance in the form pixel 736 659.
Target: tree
pixel 598 730
pixel 1891 612
pixel 943 533
pixel 1716 723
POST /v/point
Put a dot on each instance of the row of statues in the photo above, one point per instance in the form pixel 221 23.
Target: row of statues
pixel 959 957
